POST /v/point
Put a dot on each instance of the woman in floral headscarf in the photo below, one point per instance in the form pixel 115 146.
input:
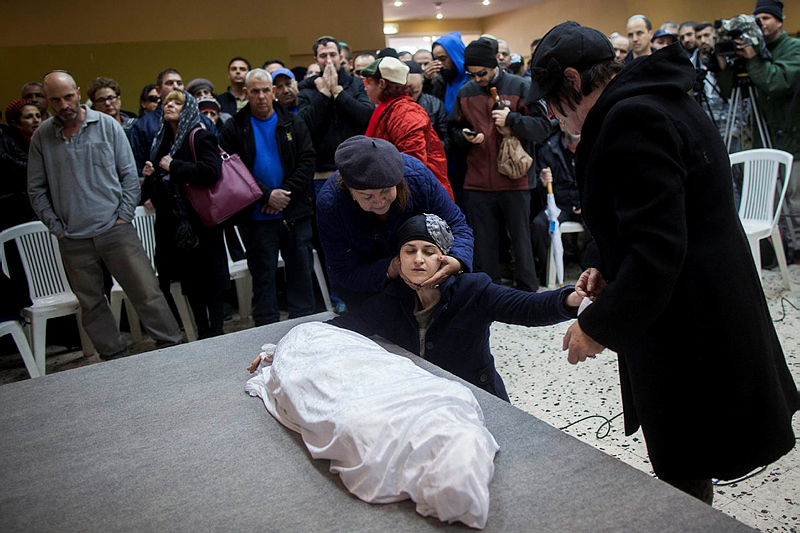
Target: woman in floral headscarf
pixel 187 250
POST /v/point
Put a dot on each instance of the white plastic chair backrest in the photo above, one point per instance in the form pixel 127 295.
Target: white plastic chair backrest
pixel 144 220
pixel 761 169
pixel 41 259
pixel 227 250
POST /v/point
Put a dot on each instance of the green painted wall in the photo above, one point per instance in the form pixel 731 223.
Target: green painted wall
pixel 132 65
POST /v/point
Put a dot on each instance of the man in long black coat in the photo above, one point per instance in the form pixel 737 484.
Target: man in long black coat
pixel 676 293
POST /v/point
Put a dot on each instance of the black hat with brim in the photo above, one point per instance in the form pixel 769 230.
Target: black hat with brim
pixel 567 45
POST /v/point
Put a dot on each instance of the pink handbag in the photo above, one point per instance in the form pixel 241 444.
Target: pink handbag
pixel 235 189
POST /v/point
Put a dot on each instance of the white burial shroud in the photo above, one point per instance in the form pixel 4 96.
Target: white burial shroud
pixel 390 429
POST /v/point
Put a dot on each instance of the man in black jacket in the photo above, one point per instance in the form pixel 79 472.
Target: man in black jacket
pixel 276 147
pixel 676 293
pixel 333 105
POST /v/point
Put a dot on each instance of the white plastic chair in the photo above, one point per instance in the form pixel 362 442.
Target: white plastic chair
pixel 48 285
pixel 758 210
pixel 144 220
pixel 564 227
pixel 244 281
pixel 12 327
pixel 240 275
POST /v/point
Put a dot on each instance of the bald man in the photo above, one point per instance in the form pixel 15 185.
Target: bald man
pixel 83 184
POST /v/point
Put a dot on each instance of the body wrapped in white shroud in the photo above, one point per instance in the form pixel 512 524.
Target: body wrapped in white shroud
pixel 390 429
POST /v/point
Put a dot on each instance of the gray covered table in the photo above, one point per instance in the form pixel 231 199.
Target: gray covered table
pixel 169 441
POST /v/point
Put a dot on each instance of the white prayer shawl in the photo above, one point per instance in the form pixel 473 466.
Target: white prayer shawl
pixel 390 429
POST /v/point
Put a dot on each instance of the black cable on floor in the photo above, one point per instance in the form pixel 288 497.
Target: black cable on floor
pixel 785 301
pixel 606 424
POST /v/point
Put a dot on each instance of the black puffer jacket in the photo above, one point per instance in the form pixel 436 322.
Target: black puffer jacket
pixel 332 121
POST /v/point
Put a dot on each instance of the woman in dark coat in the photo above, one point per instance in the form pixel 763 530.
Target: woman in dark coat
pixel 187 250
pixel 448 324
pixel 701 367
pixel 360 208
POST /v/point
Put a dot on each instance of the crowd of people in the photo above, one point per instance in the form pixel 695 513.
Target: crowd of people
pixel 390 165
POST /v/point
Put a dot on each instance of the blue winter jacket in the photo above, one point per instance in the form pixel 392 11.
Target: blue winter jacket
pixel 358 248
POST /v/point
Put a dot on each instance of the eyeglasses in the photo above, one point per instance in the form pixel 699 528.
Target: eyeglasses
pixel 479 74
pixel 108 100
pixel 153 99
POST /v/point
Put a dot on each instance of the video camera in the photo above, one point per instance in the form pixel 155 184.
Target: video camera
pixel 743 28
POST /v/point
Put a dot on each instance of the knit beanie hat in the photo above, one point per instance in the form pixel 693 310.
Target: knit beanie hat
pixel 15 108
pixel 388 52
pixel 429 228
pixel 480 54
pixel 414 67
pixel 771 7
pixel 207 103
pixel 197 84
pixel 368 163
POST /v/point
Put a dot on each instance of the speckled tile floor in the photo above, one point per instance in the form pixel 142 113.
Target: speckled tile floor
pixel 540 381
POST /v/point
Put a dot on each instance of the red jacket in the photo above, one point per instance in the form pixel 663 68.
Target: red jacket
pixel 407 126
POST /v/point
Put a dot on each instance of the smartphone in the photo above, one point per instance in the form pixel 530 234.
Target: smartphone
pixel 470 133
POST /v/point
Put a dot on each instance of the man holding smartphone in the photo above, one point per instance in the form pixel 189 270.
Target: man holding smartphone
pixel 494 201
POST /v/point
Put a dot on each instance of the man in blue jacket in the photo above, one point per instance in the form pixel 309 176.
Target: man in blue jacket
pixel 276 147
pixel 445 75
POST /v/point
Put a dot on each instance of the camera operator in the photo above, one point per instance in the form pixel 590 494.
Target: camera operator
pixel 707 91
pixel 777 83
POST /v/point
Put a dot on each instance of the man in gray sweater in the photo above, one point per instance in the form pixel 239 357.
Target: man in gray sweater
pixel 83 185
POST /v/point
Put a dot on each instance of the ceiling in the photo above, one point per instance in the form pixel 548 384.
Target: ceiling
pixel 451 9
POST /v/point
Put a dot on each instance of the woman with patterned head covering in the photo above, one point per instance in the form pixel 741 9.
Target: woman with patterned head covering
pixel 448 323
pixel 187 250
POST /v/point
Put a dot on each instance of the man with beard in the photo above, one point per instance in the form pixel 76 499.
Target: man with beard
pixel 333 104
pixel 686 37
pixel 495 201
pixel 675 290
pixel 89 207
pixel 445 75
pixel 707 90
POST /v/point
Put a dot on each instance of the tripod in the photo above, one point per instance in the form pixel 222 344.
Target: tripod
pixel 736 108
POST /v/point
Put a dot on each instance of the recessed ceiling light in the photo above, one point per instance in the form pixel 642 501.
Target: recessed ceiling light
pixel 485 2
pixel 439 16
pixel 398 4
